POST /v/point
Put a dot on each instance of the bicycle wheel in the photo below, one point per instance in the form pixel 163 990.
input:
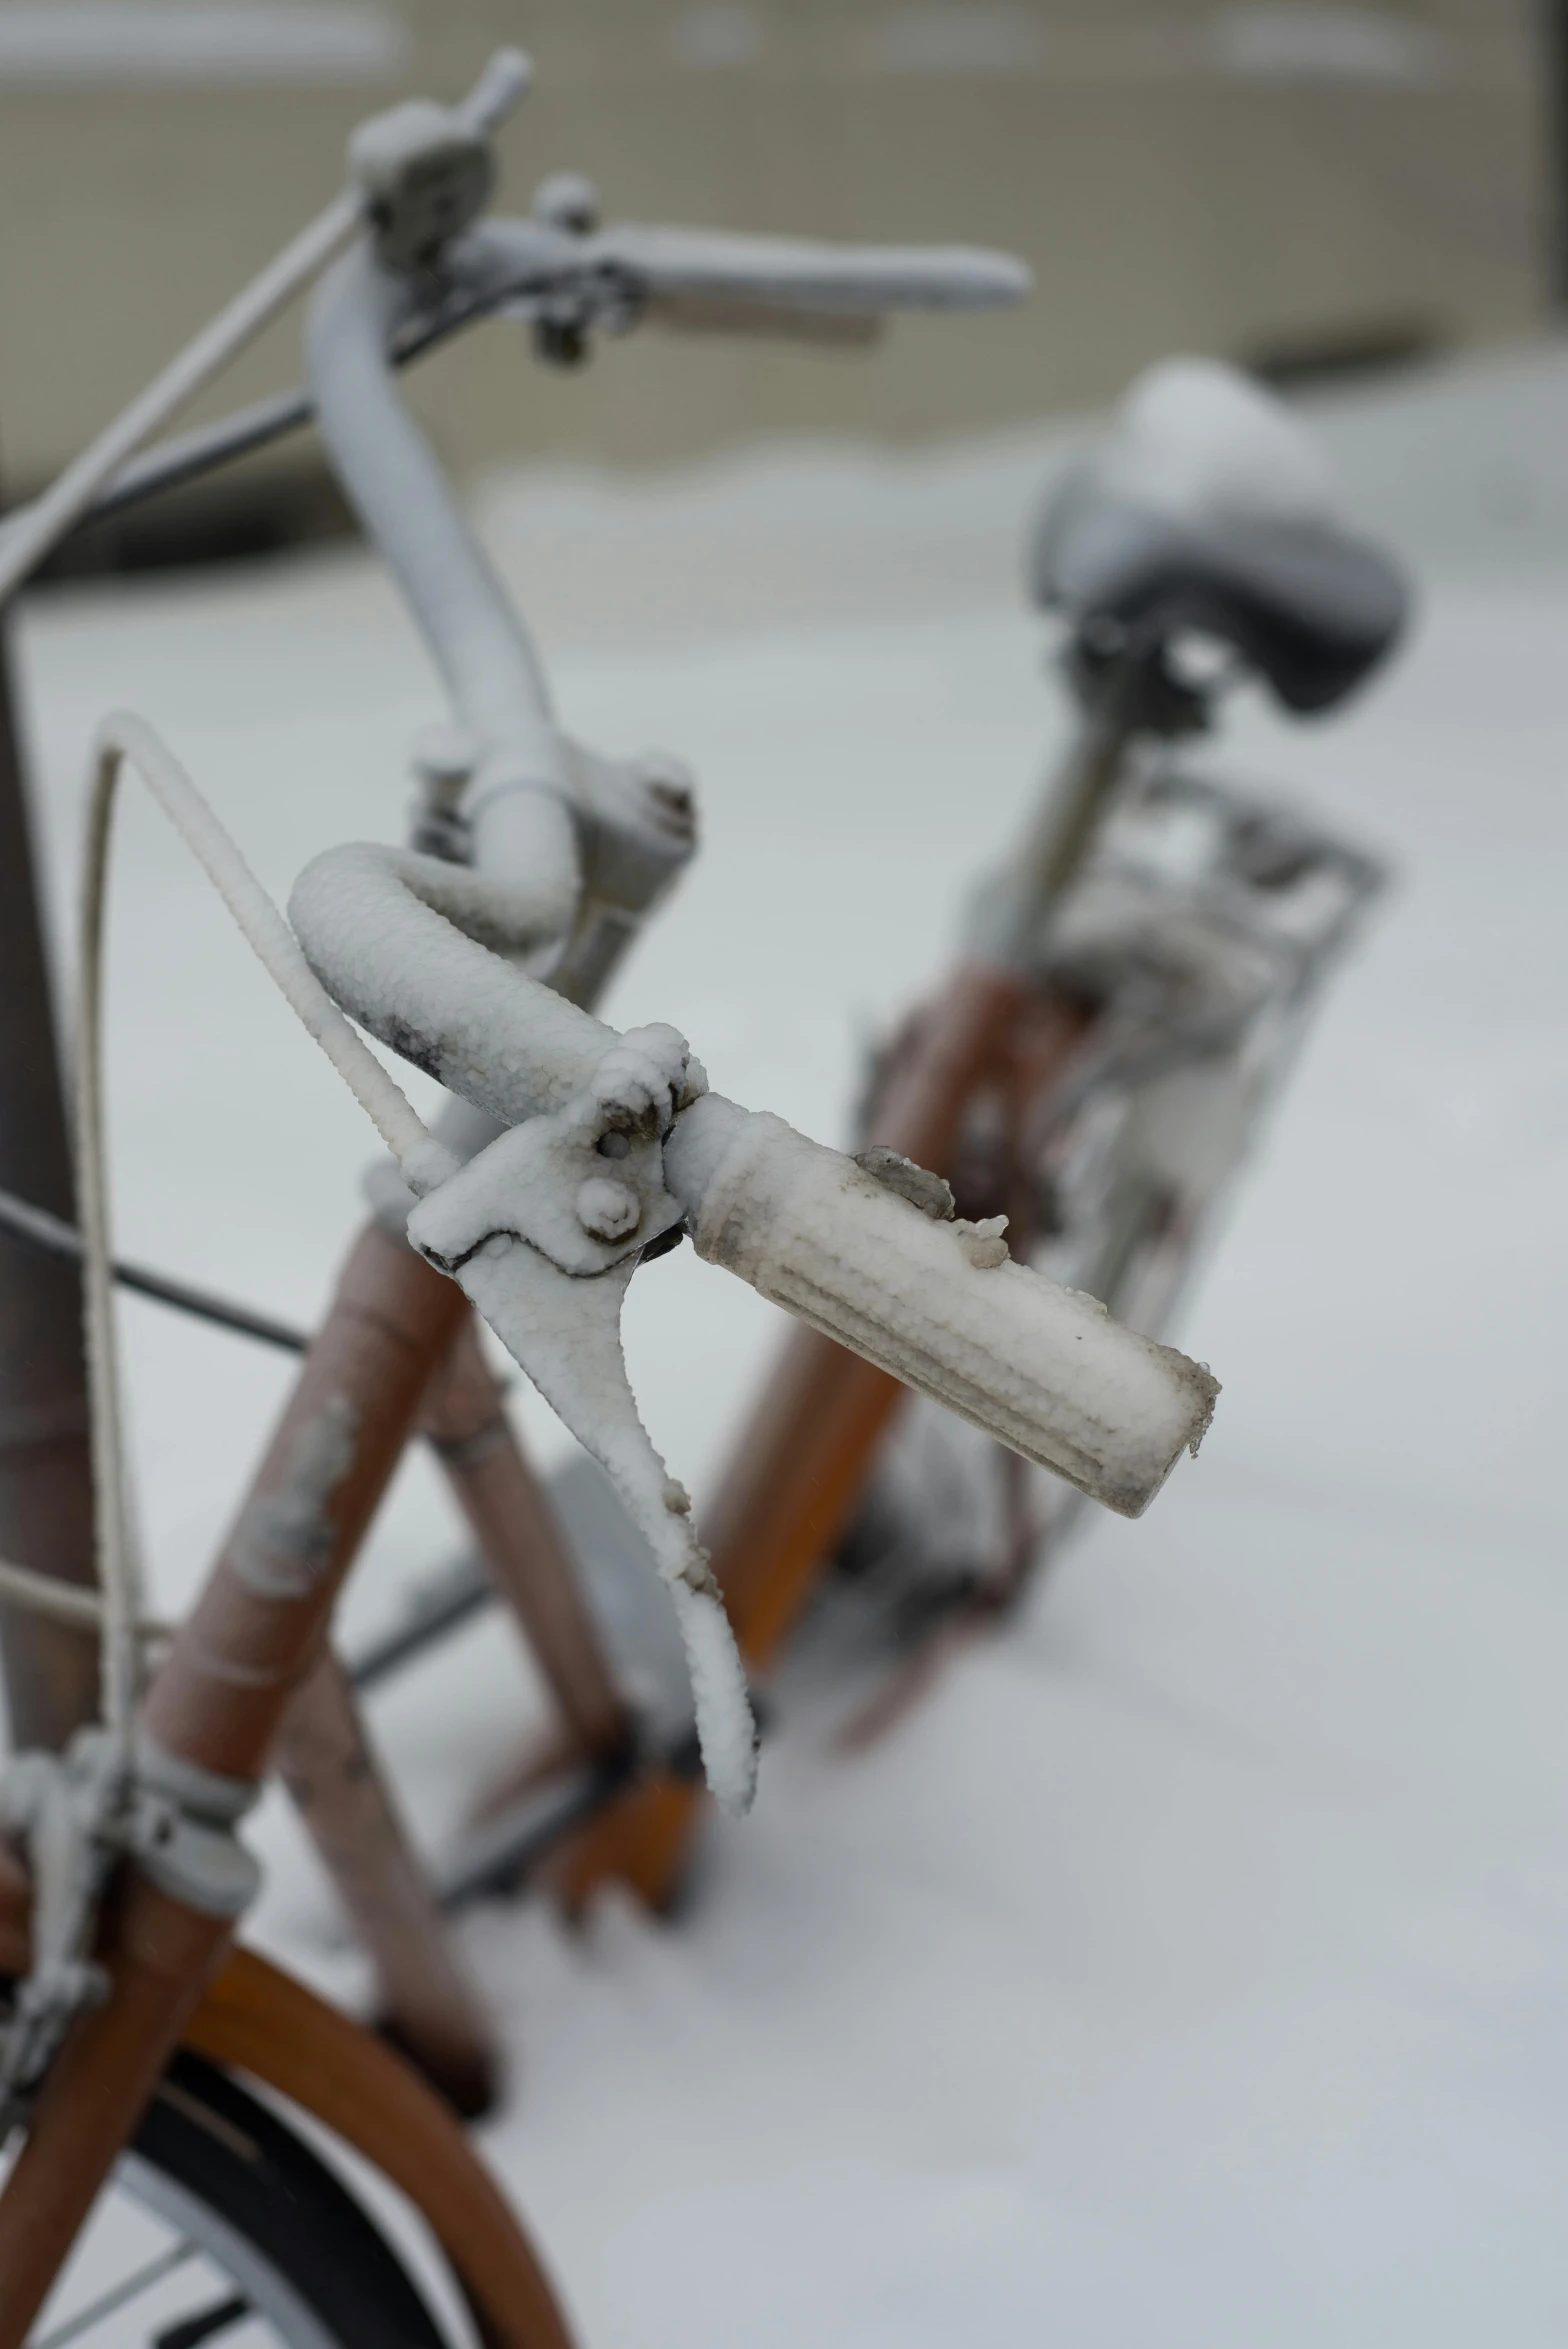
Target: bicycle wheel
pixel 221 2226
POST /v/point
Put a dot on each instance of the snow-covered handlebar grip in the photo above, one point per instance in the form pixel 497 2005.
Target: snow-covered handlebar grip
pixel 1042 1368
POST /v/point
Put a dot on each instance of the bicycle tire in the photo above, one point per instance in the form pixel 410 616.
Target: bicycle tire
pixel 239 2233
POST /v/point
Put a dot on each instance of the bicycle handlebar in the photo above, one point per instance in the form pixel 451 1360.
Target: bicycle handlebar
pixel 937 1304
pixel 519 797
pixel 708 309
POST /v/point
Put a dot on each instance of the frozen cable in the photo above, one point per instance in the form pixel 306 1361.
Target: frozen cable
pixel 42 1230
pixel 424 1161
pixel 34 533
pixel 63 1602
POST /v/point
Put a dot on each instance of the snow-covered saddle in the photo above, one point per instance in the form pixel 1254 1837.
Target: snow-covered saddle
pixel 1206 508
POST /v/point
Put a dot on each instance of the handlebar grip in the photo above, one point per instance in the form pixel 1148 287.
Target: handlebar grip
pixel 1043 1369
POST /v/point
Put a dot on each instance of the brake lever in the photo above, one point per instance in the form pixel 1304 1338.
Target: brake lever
pixel 570 276
pixel 543 1230
pixel 694 314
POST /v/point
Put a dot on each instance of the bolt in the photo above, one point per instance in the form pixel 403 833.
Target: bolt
pixel 567 201
pixel 670 784
pixel 677 798
pixel 444 757
pixel 607 1210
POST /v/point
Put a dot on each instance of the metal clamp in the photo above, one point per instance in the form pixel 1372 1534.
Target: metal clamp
pixel 584 1186
pixel 424 172
pixel 77 1816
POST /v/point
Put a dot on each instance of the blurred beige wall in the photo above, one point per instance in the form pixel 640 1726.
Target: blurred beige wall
pixel 1232 178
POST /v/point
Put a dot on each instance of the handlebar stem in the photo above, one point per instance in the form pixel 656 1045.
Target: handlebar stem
pixel 518 803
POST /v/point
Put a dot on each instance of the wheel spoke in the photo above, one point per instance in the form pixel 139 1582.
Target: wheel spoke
pixel 205 2325
pixel 119 2297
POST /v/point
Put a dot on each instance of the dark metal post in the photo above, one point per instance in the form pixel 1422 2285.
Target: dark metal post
pixel 46 1509
pixel 1552 37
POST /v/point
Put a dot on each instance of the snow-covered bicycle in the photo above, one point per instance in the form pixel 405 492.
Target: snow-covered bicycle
pixel 1175 932
pixel 569 1155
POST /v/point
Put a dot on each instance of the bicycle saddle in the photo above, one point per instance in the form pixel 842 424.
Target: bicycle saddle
pixel 1207 508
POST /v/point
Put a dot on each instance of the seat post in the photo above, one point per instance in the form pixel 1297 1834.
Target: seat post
pixel 46 1496
pixel 1005 926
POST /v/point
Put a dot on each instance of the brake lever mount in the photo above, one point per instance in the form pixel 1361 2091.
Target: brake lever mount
pixel 582 1185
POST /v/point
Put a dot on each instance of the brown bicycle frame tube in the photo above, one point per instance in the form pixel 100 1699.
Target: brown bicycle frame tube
pixel 328 1761
pixel 426 2003
pixel 158 1955
pixel 804 1456
pixel 218 1698
pixel 217 1701
pixel 398 1342
pixel 522 1545
pixel 329 1764
pixel 247 1672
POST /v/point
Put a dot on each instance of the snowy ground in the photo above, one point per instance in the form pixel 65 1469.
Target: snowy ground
pixel 1192 1970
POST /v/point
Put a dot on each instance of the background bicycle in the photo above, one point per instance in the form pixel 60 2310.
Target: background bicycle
pixel 1179 929
pixel 1131 978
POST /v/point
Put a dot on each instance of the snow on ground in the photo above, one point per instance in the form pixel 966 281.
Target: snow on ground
pixel 1192 1969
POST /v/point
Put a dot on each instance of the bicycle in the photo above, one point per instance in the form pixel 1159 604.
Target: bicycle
pixel 1197 924
pixel 571 1154
pixel 1136 976
pixel 422 176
